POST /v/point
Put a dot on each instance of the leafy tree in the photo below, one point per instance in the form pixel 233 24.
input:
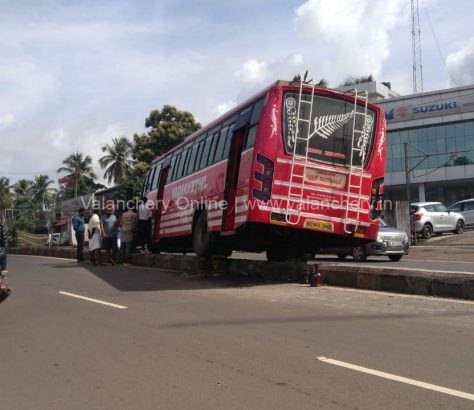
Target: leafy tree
pixel 5 194
pixel 461 160
pixel 79 170
pixel 41 191
pixel 22 192
pixel 167 127
pixel 358 80
pixel 117 160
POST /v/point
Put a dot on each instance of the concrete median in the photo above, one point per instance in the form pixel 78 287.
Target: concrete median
pixel 409 281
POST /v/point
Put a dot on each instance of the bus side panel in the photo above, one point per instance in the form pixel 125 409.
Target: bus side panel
pixel 182 197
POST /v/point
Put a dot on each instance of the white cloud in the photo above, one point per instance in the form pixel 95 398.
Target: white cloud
pixel 460 64
pixel 253 72
pixel 349 36
pixel 7 119
pixel 224 107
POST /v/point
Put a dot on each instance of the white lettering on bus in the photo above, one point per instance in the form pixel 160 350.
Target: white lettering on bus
pixel 191 187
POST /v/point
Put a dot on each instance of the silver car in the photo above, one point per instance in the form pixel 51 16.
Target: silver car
pixel 466 209
pixel 434 218
pixel 391 242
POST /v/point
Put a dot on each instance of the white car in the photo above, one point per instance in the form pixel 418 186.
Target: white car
pixel 466 209
pixel 434 218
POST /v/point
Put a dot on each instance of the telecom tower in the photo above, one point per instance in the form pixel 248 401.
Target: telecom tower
pixel 416 48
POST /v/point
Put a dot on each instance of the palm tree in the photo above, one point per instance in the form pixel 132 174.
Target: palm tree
pixel 117 160
pixel 22 191
pixel 41 191
pixel 78 167
pixel 5 194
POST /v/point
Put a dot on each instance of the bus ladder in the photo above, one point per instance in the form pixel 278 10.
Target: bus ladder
pixel 352 216
pixel 297 181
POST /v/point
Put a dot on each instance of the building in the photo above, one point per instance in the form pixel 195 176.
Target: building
pixel 438 130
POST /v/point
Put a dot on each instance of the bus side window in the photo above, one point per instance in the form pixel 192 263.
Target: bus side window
pixel 192 159
pixel 176 165
pixel 211 160
pixel 220 144
pixel 171 171
pixel 154 183
pixel 205 152
pixel 252 131
pixel 228 141
pixel 150 178
pixel 199 155
pixel 180 168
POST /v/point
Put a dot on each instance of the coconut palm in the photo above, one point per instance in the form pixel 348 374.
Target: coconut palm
pixel 77 166
pixel 22 191
pixel 41 191
pixel 117 160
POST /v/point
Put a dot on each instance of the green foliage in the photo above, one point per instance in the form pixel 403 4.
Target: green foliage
pixel 5 194
pixel 26 218
pixel 78 168
pixel 117 160
pixel 168 127
pixel 461 160
pixel 358 80
pixel 41 192
pixel 22 192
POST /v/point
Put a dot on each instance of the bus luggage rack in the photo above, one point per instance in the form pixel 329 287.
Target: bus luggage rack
pixel 352 216
pixel 297 181
pixel 297 184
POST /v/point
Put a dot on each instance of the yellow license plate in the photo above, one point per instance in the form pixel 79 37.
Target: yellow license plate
pixel 319 225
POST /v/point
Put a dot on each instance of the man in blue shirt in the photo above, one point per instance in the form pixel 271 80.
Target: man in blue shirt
pixel 79 228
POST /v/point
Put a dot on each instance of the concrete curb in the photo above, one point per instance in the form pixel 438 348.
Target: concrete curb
pixel 418 282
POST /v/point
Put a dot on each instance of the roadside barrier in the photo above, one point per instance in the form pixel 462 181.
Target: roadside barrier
pixel 410 281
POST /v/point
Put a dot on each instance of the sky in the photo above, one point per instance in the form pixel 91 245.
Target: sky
pixel 74 74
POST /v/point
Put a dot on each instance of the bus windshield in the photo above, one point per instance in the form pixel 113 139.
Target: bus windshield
pixel 331 127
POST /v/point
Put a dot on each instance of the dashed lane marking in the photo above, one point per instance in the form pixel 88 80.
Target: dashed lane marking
pixel 400 379
pixel 101 302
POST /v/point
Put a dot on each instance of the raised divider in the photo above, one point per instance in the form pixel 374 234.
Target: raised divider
pixel 411 281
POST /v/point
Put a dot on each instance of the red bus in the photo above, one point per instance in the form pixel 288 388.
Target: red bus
pixel 293 169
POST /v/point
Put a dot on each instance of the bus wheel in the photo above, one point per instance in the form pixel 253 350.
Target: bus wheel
pixel 201 236
pixel 359 254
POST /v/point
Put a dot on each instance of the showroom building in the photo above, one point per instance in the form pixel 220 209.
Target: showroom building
pixel 438 130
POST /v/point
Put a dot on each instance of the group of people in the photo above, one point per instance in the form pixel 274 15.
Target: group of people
pixel 105 228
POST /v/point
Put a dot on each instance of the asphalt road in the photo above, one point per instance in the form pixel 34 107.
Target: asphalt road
pixel 181 342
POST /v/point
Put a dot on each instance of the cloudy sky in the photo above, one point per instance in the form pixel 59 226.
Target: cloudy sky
pixel 74 74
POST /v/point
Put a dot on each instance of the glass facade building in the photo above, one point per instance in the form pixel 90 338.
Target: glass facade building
pixel 438 130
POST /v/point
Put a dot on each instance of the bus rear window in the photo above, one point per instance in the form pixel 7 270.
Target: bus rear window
pixel 330 133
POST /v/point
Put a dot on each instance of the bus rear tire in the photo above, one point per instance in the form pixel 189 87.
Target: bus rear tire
pixel 202 237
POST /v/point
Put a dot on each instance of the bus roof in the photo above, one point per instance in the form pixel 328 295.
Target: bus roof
pixel 237 108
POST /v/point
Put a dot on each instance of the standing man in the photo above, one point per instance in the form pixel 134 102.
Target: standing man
pixel 3 248
pixel 128 223
pixel 79 227
pixel 94 238
pixel 143 224
pixel 109 224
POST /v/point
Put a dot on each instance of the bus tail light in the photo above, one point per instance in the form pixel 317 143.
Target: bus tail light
pixel 376 198
pixel 265 177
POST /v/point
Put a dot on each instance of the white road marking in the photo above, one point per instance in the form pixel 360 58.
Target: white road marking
pixel 389 376
pixel 391 294
pixel 93 300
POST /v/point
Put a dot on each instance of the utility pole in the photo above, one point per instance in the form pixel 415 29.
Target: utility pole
pixel 416 48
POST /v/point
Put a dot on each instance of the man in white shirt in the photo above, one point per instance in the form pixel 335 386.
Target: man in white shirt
pixel 94 230
pixel 143 223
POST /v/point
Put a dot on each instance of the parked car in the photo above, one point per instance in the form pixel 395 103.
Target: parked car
pixel 391 242
pixel 466 209
pixel 434 218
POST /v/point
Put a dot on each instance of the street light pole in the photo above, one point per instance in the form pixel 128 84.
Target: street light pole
pixel 407 173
